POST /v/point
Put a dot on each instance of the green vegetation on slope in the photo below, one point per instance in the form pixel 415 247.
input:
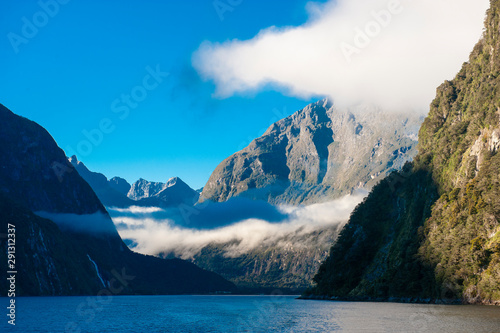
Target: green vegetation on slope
pixel 432 231
pixel 375 253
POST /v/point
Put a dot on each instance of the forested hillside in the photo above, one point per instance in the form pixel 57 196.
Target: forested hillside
pixel 431 231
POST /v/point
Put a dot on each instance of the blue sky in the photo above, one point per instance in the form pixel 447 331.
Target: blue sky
pixel 86 55
pixel 163 88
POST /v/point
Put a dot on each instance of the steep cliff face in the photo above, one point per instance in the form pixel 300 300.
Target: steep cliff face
pixel 317 154
pixel 81 253
pixel 433 231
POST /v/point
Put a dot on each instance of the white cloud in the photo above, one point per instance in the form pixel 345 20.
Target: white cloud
pixel 89 223
pixel 153 236
pixel 137 209
pixel 422 44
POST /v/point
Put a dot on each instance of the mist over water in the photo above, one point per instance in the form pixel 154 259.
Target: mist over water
pixel 154 230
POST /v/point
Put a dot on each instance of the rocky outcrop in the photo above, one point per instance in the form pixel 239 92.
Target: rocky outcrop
pixel 317 154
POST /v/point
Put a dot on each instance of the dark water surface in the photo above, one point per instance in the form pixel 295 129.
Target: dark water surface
pixel 239 314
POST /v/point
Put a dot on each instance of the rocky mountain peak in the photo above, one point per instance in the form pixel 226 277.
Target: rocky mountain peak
pixel 316 154
pixel 173 192
pixel 73 159
pixel 144 189
pixel 173 181
pixel 120 185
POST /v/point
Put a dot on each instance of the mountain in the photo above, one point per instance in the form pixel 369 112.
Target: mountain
pixel 287 265
pixel 66 242
pixel 317 154
pixel 430 232
pixel 172 193
pixel 117 192
pixel 120 185
pixel 109 192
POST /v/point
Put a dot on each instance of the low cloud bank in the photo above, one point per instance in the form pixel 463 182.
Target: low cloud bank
pixel 94 224
pixel 208 215
pixel 151 235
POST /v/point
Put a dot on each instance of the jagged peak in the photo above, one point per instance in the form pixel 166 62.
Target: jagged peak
pixel 172 181
pixel 176 181
pixel 326 103
pixel 117 178
pixel 73 159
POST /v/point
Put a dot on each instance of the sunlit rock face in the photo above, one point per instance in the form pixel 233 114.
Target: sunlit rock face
pixel 317 154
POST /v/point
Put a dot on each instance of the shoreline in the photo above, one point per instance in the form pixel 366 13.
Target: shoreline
pixel 404 300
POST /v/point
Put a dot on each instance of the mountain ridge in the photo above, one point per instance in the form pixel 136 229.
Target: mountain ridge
pixel 117 192
pixel 174 192
pixel 309 156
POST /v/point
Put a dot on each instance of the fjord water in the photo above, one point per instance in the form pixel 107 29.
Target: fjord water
pixel 241 314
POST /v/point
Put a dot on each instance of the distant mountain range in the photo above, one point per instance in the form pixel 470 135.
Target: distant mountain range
pixel 66 241
pixel 172 193
pixel 117 192
pixel 317 154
